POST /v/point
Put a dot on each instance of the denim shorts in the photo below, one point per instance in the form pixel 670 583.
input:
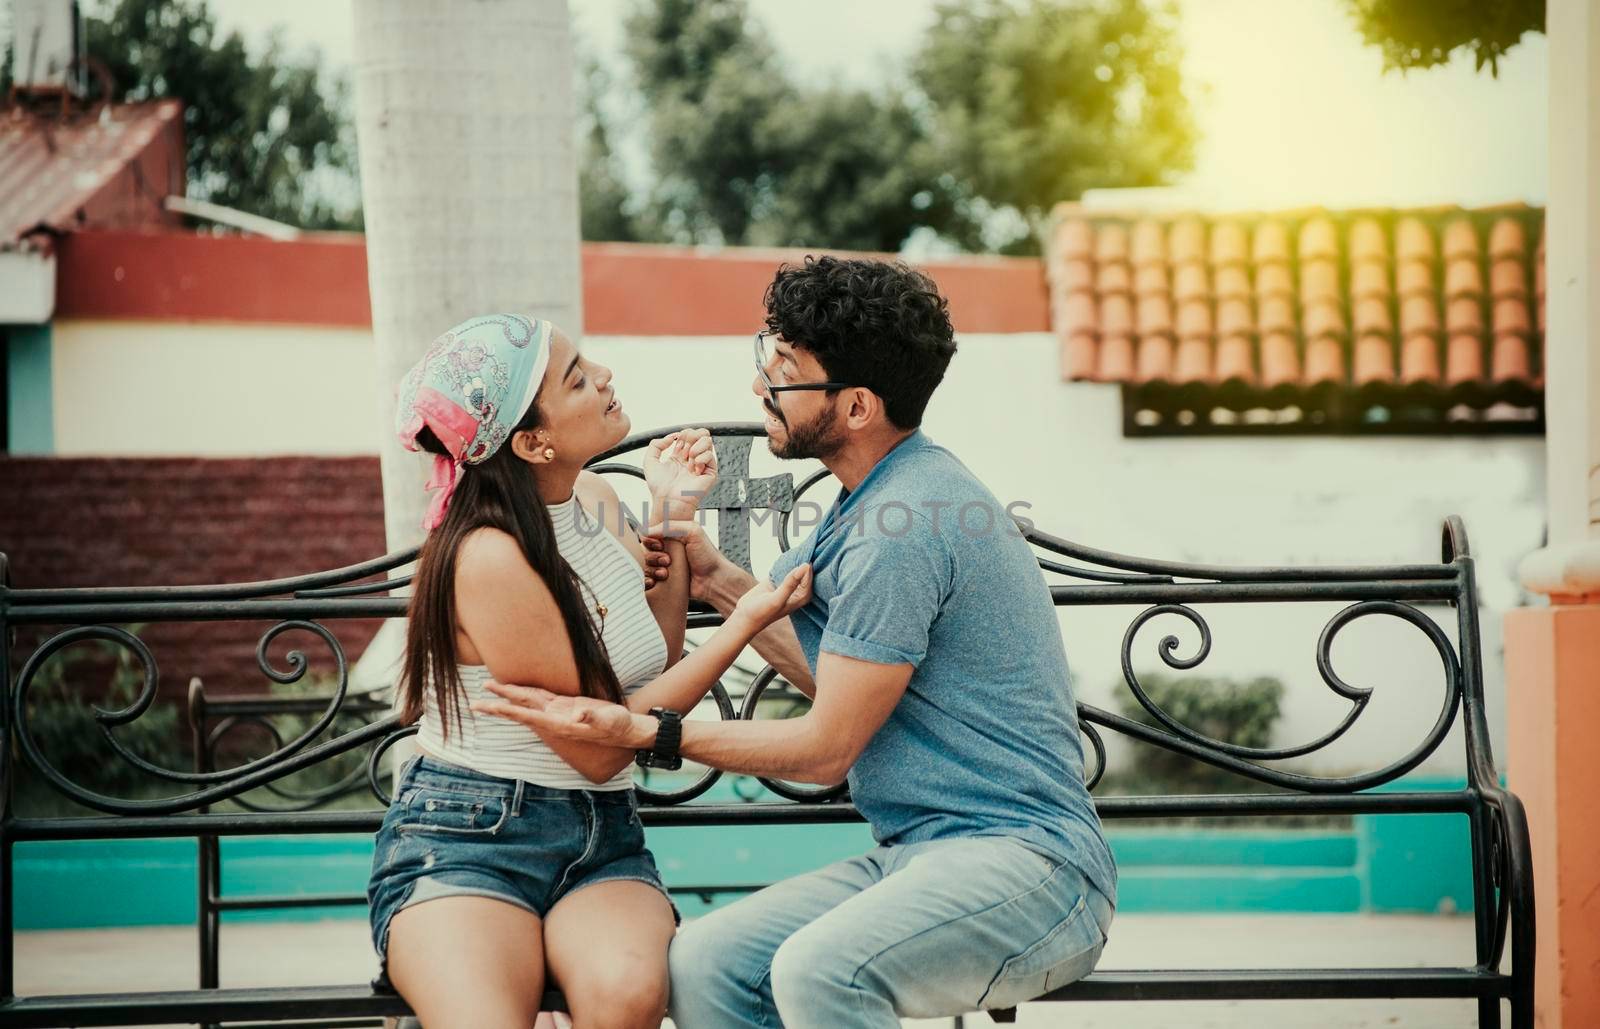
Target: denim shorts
pixel 454 832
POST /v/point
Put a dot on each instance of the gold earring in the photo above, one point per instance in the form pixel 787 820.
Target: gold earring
pixel 549 454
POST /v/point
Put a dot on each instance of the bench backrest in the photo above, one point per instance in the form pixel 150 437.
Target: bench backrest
pixel 340 722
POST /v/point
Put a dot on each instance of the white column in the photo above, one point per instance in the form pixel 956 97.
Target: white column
pixel 1570 566
pixel 469 182
pixel 1552 652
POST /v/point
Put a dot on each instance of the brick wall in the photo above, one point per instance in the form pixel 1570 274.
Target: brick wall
pixel 186 521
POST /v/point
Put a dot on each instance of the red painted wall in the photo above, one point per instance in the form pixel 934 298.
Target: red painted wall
pixel 628 289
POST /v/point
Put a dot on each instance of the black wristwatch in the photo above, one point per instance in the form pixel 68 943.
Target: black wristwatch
pixel 669 736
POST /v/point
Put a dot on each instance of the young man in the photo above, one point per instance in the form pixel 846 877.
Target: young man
pixel 940 689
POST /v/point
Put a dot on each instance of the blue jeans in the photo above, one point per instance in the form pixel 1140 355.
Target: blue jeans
pixel 454 832
pixel 924 930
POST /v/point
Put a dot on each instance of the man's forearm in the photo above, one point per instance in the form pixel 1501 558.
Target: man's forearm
pixel 788 748
pixel 777 643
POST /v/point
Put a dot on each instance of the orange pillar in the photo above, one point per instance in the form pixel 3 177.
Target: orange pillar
pixel 1553 727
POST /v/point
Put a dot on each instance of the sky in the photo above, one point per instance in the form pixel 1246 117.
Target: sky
pixel 1293 108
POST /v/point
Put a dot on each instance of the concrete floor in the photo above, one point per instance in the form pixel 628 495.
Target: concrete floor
pixel 338 951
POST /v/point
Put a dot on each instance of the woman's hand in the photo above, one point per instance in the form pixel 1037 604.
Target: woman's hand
pixel 680 470
pixel 763 604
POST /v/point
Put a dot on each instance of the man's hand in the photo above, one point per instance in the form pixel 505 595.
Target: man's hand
pixel 705 560
pixel 567 717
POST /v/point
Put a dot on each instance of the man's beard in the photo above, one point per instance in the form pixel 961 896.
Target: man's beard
pixel 820 438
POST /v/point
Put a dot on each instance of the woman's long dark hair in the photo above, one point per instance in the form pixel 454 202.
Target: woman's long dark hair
pixel 499 493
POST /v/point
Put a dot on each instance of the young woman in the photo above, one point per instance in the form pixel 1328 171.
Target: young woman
pixel 506 859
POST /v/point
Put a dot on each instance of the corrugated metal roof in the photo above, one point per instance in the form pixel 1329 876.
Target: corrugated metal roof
pixel 111 165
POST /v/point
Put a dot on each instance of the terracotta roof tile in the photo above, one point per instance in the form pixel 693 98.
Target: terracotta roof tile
pixel 1506 239
pixel 1194 360
pixel 1073 276
pixel 1374 359
pixel 1463 277
pixel 1274 280
pixel 1116 315
pixel 1150 278
pixel 1419 313
pixel 1231 282
pixel 1234 317
pixel 1276 314
pixel 1154 358
pixel 1187 241
pixel 1236 358
pixel 1229 245
pixel 1078 314
pixel 1511 317
pixel 1371 315
pixel 1324 318
pixel 1510 359
pixel 1116 358
pixel 1441 295
pixel 1463 358
pixel 1369 278
pixel 1318 239
pixel 1414 277
pixel 1367 242
pixel 1194 319
pixel 1419 358
pixel 1073 239
pixel 1324 361
pixel 1319 281
pixel 1154 315
pixel 1079 355
pixel 1464 314
pixel 1190 282
pixel 1149 243
pixel 1114 277
pixel 1460 241
pixel 1508 278
pixel 1413 241
pixel 1270 243
pixel 1280 361
pixel 1111 243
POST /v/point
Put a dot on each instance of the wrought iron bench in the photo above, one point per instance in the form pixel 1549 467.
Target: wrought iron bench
pixel 1079 576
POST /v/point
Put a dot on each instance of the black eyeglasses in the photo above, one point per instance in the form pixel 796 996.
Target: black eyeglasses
pixel 765 352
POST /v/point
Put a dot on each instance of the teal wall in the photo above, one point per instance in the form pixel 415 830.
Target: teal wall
pixel 1389 863
pixel 30 426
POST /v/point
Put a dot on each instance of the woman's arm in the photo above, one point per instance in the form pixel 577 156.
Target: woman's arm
pixel 499 596
pixel 669 597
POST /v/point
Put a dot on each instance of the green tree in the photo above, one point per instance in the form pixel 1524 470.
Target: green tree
pixel 605 205
pixel 745 156
pixel 1426 33
pixel 267 134
pixel 1036 101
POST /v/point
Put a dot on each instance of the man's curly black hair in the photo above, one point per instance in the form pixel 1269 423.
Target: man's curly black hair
pixel 878 324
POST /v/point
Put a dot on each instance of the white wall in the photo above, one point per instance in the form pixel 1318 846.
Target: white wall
pixel 141 388
pixel 212 389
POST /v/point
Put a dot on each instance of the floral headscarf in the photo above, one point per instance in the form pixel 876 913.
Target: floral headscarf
pixel 471 388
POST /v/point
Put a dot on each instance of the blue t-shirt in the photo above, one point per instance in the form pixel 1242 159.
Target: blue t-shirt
pixel 921 565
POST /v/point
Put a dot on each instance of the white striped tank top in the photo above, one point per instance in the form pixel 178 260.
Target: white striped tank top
pixel 609 575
